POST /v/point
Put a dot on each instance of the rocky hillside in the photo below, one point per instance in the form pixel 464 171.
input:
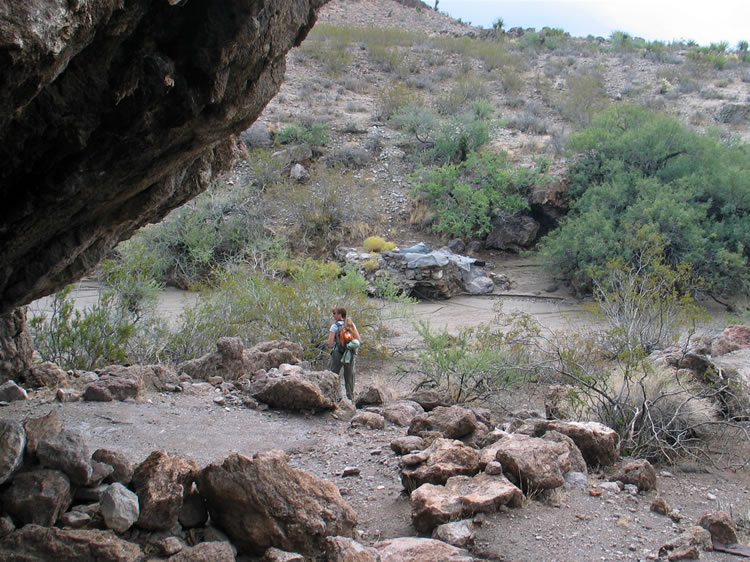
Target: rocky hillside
pixel 365 57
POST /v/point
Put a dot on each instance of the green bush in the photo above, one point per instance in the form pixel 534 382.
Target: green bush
pixel 640 168
pixel 585 96
pixel 314 134
pixel 296 307
pixel 464 196
pixel 467 365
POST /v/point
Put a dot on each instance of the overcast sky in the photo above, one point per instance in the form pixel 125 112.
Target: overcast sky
pixel 666 20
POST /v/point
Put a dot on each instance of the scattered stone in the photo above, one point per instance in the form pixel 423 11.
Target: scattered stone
pixel 344 549
pixel 373 395
pixel 119 507
pixel 169 546
pixel 369 420
pixel 68 452
pixel 430 399
pixel 443 459
pixel 534 462
pixel 694 536
pixel 413 548
pixel 33 542
pixel 660 506
pixel 10 392
pixel 12 444
pixel 452 422
pixel 402 412
pixel 74 519
pixel 41 428
pixel 599 444
pixel 161 482
pixel 122 470
pixel 407 444
pixel 277 555
pixel 115 382
pixel 38 496
pixel 66 395
pixel 350 471
pixel 458 533
pixel 720 524
pixel 47 375
pixel 213 551
pixel 640 472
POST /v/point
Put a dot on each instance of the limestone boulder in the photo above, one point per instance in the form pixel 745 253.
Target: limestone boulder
pixel 67 451
pixel 458 533
pixel 37 496
pixel 599 444
pixel 161 482
pixel 35 542
pixel 12 445
pixel 443 459
pixel 451 422
pixel 263 502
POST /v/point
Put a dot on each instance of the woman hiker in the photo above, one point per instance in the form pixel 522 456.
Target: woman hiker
pixel 344 340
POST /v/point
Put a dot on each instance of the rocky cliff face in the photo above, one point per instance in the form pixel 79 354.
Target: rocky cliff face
pixel 113 113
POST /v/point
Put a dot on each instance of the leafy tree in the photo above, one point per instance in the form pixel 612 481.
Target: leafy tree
pixel 465 196
pixel 642 169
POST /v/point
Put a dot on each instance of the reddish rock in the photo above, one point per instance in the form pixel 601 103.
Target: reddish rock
pixel 263 502
pixel 161 482
pixel 640 472
pixel 33 542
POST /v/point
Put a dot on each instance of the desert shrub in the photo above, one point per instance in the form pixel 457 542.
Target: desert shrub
pixel 464 196
pixel 529 121
pixel 585 96
pixel 82 339
pixel 388 59
pixel 378 244
pixel 314 134
pixel 463 364
pixel 640 168
pixel 512 83
pixel 217 228
pixel 394 99
pixel 482 109
pixel 461 94
pixel 325 211
pixel 265 170
pixel 295 307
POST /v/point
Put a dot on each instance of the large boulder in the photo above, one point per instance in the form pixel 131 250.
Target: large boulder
pixel 138 96
pixel 162 481
pixel 451 422
pixel 415 548
pixel 116 382
pixel 443 459
pixel 37 496
pixel 41 428
pixel 731 339
pixel 263 502
pixel 402 412
pixel 119 508
pixel 462 496
pixel 67 451
pixel 599 444
pixel 730 377
pixel 533 462
pixel 309 390
pixel 231 361
pixel 12 445
pixel 512 232
pixel 34 542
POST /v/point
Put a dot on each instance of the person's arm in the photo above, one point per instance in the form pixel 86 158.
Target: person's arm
pixel 356 332
pixel 331 335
